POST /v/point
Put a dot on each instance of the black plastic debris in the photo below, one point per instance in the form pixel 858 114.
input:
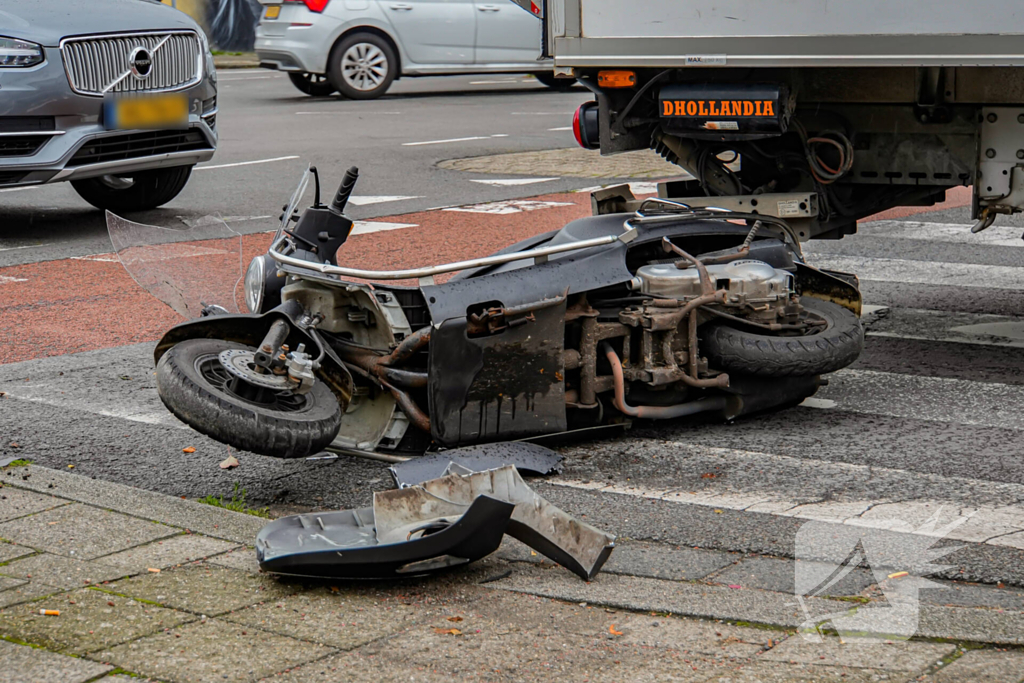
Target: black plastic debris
pixel 431 527
pixel 530 459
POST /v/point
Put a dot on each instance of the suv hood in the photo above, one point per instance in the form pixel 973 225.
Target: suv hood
pixel 47 21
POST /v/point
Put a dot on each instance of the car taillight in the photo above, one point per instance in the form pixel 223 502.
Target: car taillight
pixel 585 126
pixel 312 5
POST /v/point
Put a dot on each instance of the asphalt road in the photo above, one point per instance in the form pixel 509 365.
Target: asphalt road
pixel 927 421
pixel 269 132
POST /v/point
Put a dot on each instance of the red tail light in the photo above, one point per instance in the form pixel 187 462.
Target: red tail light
pixel 585 126
pixel 312 5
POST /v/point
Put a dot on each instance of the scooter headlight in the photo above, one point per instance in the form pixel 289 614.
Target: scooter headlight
pixel 255 283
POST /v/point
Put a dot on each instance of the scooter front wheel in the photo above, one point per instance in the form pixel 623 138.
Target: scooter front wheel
pixel 261 416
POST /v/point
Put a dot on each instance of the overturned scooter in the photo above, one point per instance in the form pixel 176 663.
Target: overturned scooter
pixel 431 527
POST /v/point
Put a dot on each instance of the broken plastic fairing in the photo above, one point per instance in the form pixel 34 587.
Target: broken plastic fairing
pixel 429 527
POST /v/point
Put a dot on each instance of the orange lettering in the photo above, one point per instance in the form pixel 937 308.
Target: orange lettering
pixel 701 110
pixel 711 106
pixel 725 109
pixel 691 108
pixel 736 108
pixel 748 108
pixel 768 109
pixel 667 108
pixel 758 104
pixel 680 107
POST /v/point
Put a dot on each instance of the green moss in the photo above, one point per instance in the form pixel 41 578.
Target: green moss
pixel 236 504
pixel 24 462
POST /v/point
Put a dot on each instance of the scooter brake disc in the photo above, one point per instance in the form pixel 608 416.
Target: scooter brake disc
pixel 242 364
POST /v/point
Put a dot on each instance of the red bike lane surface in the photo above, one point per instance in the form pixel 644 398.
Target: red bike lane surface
pixel 54 308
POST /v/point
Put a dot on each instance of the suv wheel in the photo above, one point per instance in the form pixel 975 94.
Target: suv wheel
pixel 317 85
pixel 133 191
pixel 362 66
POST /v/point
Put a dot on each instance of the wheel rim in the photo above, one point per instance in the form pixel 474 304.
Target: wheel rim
pixel 364 66
pixel 116 182
pixel 211 369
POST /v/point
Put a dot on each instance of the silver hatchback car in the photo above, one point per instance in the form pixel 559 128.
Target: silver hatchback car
pixel 358 47
pixel 119 97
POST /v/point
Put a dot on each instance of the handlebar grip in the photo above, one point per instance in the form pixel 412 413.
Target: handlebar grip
pixel 348 184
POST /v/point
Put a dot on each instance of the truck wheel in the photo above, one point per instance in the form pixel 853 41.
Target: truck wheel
pixel 317 85
pixel 196 386
pixel 833 347
pixel 362 66
pixel 559 84
pixel 137 191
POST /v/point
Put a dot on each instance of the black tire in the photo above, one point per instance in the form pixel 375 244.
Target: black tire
pixel 316 85
pixel 749 353
pixel 335 67
pixel 560 84
pixel 147 190
pixel 230 419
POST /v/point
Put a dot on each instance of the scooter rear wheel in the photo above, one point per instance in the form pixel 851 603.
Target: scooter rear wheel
pixel 195 386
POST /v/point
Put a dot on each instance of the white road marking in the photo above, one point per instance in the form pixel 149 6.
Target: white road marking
pixel 6 280
pixel 952 327
pixel 353 111
pixel 363 200
pixel 368 227
pixel 813 402
pixel 500 135
pixel 561 128
pixel 924 272
pixel 244 163
pixel 507 80
pixel 993 524
pixel 26 246
pixel 102 258
pixel 204 221
pixel 440 142
pixel 504 208
pixel 868 309
pixel 502 182
pixel 997 235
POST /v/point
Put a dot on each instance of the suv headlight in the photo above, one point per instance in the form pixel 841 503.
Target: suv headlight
pixel 14 52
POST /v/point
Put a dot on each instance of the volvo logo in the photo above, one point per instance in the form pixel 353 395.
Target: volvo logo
pixel 140 61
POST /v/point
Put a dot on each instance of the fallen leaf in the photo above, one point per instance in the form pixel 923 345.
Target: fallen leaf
pixel 448 631
pixel 111 603
pixel 611 630
pixel 334 589
pixel 189 449
pixel 735 585
pixel 454 618
pixel 71 467
pixel 707 475
pixel 718 512
pixel 230 462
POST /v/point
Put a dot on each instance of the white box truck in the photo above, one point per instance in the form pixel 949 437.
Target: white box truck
pixel 835 109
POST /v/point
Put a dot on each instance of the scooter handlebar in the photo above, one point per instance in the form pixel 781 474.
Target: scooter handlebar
pixel 348 183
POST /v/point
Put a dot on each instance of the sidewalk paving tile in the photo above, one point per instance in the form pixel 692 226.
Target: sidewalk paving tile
pixel 972 595
pixel 12 551
pixel 906 656
pixel 212 650
pixel 60 571
pixel 694 635
pixel 775 574
pixel 7 582
pixel 169 552
pixel 777 672
pixel 22 664
pixel 243 559
pixel 982 666
pixel 203 588
pixel 344 619
pixel 966 623
pixel 82 531
pixel 89 620
pixel 25 593
pixel 18 503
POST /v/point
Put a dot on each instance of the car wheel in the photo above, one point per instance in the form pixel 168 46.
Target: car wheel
pixel 193 383
pixel 560 84
pixel 133 191
pixel 317 85
pixel 363 66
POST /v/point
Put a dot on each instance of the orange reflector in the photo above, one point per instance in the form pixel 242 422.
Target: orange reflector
pixel 616 79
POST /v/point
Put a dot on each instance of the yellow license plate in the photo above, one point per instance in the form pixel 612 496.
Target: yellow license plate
pixel 154 111
pixel 273 12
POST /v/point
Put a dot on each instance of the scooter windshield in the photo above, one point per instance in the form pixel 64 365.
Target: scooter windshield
pixel 187 268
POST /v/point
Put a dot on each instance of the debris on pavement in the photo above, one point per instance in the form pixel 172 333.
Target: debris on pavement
pixel 429 527
pixel 229 463
pixel 7 461
pixel 528 458
pixel 188 449
pixel 49 612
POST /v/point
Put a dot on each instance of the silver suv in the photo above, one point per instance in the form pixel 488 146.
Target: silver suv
pixel 119 98
pixel 358 47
